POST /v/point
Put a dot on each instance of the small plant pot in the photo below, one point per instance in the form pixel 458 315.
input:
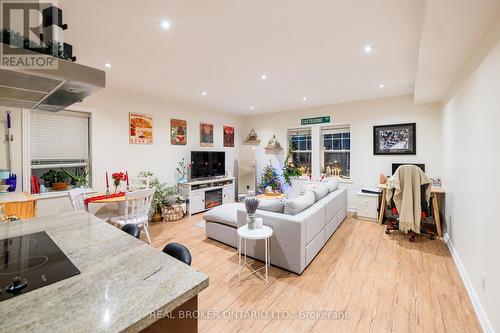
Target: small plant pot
pixel 59 186
pixel 156 217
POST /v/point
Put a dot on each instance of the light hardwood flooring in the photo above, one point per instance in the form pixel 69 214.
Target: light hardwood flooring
pixel 383 283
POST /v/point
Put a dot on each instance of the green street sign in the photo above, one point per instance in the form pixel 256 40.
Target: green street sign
pixel 314 121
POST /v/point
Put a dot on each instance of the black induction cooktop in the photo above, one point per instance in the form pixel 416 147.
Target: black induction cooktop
pixel 30 262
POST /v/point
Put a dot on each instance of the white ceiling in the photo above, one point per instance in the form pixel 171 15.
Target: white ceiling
pixel 451 30
pixel 310 48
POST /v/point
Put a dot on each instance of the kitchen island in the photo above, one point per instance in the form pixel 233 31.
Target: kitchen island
pixel 124 285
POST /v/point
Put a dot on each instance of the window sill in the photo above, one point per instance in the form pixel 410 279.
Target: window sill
pixel 59 194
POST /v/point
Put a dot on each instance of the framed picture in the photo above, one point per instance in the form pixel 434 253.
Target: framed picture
pixel 178 132
pixel 400 139
pixel 140 128
pixel 206 135
pixel 228 136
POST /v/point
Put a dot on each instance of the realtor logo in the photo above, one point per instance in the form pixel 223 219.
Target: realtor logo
pixel 31 35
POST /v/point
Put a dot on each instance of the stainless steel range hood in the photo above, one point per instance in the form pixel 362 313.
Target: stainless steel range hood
pixel 49 89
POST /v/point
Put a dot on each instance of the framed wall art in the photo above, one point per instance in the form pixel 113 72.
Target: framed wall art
pixel 399 139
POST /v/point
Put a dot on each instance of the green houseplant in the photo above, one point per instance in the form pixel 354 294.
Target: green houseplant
pixel 290 171
pixel 79 176
pixel 164 195
pixel 57 179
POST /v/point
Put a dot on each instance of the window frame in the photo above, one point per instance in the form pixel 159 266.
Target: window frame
pixel 26 147
pixel 323 150
pixel 301 129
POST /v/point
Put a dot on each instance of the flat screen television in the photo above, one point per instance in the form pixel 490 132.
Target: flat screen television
pixel 207 164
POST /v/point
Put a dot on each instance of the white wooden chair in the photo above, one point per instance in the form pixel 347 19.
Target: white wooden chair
pixel 77 197
pixel 137 207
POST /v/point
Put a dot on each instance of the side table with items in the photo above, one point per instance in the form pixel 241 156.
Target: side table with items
pixel 263 233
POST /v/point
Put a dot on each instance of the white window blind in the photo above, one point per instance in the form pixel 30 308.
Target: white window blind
pixel 59 138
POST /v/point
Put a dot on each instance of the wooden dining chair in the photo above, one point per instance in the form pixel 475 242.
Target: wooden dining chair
pixel 137 205
pixel 77 197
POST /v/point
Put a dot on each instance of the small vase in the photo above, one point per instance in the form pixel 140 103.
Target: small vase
pixel 251 221
pixel 116 187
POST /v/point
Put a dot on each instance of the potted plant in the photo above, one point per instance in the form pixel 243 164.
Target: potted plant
pixel 57 179
pixel 173 207
pixel 290 171
pixel 160 196
pixel 78 176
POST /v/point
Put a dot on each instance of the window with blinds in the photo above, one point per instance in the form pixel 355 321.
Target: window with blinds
pixel 300 141
pixel 59 139
pixel 336 151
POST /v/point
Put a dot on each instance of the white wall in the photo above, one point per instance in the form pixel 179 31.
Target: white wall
pixel 471 141
pixel 112 152
pixel 361 116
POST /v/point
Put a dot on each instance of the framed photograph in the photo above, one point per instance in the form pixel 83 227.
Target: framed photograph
pixel 178 132
pixel 140 128
pixel 228 136
pixel 206 135
pixel 400 139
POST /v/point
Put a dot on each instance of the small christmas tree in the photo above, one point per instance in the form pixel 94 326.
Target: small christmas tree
pixel 270 179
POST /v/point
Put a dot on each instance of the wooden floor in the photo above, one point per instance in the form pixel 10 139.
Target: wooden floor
pixel 381 283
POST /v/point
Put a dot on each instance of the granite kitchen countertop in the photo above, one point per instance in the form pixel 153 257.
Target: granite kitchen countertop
pixel 122 280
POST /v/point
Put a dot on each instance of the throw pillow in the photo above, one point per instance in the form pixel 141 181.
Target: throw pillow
pixel 332 185
pixel 295 206
pixel 272 205
pixel 320 191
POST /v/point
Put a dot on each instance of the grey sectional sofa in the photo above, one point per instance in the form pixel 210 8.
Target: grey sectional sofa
pixel 297 239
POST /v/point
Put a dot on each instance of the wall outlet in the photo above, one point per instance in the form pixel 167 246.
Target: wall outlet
pixel 483 282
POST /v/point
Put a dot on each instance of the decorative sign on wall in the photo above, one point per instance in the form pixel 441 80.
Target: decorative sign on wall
pixel 178 132
pixel 228 136
pixel 140 128
pixel 206 135
pixel 316 120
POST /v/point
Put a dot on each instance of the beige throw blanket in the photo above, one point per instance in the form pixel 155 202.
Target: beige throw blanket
pixel 404 188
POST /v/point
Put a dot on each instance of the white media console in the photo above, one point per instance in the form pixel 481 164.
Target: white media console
pixel 205 194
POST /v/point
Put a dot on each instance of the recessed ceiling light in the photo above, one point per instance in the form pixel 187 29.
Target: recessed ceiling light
pixel 204 93
pixel 107 64
pixel 251 107
pixel 263 77
pixel 368 49
pixel 165 24
pixel 304 98
pixel 381 85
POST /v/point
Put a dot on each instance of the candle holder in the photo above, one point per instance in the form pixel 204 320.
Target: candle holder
pixel 107 190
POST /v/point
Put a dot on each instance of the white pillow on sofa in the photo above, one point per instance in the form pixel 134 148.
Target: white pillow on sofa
pixel 332 185
pixel 320 191
pixel 272 205
pixel 295 206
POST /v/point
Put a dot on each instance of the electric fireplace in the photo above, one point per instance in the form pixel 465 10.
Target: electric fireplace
pixel 213 198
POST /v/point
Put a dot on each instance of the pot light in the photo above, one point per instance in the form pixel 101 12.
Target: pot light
pixel 263 77
pixel 251 107
pixel 381 85
pixel 304 98
pixel 368 49
pixel 165 24
pixel 204 93
pixel 107 64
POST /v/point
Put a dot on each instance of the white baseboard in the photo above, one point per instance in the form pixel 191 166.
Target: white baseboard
pixel 476 303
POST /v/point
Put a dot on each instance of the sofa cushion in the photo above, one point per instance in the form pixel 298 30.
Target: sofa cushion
pixel 320 191
pixel 332 185
pixel 225 214
pixel 272 205
pixel 295 206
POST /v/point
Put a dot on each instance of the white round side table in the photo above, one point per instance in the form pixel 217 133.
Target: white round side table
pixel 264 233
